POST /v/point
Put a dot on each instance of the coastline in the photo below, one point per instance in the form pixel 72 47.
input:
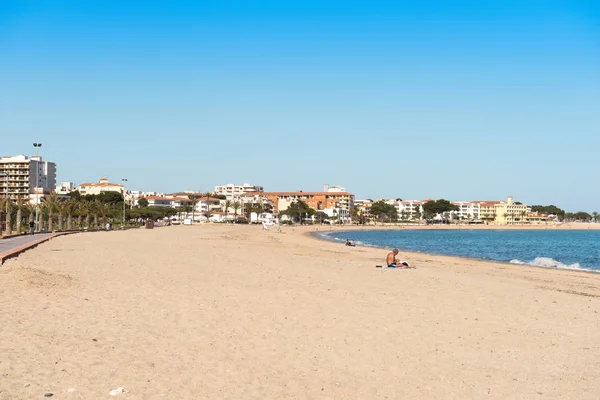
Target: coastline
pixel 320 235
pixel 580 226
pixel 232 311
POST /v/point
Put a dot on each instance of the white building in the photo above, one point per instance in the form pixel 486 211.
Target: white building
pixel 467 210
pixel 22 175
pixel 234 192
pixel 64 188
pixel 409 210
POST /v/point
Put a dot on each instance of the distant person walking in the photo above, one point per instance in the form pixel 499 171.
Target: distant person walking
pixel 32 227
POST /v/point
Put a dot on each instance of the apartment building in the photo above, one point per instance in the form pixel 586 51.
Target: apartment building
pixel 333 203
pixel 411 210
pixel 364 207
pixel 163 201
pixel 234 192
pixel 467 210
pixel 487 210
pixel 511 213
pixel 102 186
pixel 21 175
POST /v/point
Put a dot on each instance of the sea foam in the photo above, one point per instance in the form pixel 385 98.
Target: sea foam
pixel 547 262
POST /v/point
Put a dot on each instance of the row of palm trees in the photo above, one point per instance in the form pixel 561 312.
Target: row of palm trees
pixel 55 213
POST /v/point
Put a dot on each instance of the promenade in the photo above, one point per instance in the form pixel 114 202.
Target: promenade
pixel 21 243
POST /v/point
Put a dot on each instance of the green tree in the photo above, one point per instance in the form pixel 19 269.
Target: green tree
pixel 551 209
pixel 384 212
pixel 582 216
pixel 19 213
pixel 7 205
pixel 321 216
pixel 438 207
pixel 298 210
pixel 523 216
pixel 257 209
pixel 49 203
pixel 194 198
pixel 143 202
pixel 61 208
pixel 227 205
pixel 417 213
pixel 236 206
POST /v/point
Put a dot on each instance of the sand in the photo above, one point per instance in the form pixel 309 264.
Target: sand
pixel 233 312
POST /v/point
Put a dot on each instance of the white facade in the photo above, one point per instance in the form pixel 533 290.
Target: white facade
pixel 333 189
pixel 266 218
pixel 233 192
pixel 65 188
pixel 24 174
pixel 410 210
pixel 467 210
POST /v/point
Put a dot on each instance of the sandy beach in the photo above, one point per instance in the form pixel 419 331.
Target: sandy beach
pixel 235 312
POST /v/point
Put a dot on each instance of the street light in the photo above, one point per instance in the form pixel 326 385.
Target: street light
pixel 37 194
pixel 124 180
pixel 5 175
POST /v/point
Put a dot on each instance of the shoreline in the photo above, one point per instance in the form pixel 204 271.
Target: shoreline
pixel 317 236
pixel 576 226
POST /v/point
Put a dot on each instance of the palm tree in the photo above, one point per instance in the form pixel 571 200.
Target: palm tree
pixel 96 209
pixel 19 213
pixel 236 206
pixel 523 215
pixel 6 206
pixel 87 208
pixel 81 210
pixel 70 206
pixel 105 211
pixel 258 209
pixel 61 207
pixel 227 206
pixel 50 202
pixel 595 215
pixel 506 218
pixel 31 210
pixel 208 195
pixel 194 198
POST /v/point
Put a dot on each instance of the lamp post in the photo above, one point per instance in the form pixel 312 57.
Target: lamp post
pixel 124 180
pixel 5 175
pixel 37 194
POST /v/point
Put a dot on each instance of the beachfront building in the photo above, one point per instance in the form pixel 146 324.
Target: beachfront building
pixel 487 210
pixel 167 201
pixel 511 213
pixel 363 209
pixel 210 204
pixel 410 210
pixel 234 192
pixel 21 176
pixel 467 210
pixel 335 203
pixel 535 218
pixel 103 185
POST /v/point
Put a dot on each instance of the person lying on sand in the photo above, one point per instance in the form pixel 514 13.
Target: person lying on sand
pixel 349 243
pixel 391 261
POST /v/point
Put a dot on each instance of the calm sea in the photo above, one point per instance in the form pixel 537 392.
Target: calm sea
pixel 552 249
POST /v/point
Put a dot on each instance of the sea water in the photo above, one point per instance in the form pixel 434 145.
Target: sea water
pixel 544 248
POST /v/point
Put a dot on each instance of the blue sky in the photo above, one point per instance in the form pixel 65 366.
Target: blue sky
pixel 465 100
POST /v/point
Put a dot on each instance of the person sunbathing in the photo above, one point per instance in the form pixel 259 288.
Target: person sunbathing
pixel 391 261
